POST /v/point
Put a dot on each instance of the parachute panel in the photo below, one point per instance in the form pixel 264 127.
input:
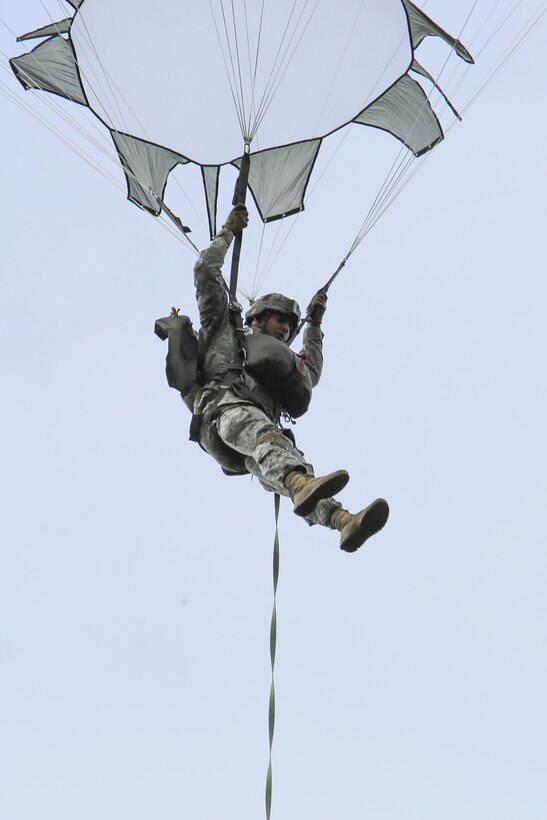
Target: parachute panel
pixel 210 175
pixel 422 26
pixel 278 178
pixel 419 69
pixel 405 112
pixel 51 66
pixel 146 167
pixel 62 27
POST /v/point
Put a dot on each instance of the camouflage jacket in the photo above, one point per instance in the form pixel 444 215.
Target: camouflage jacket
pixel 219 346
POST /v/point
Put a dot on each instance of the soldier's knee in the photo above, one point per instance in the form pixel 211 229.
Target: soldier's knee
pixel 276 439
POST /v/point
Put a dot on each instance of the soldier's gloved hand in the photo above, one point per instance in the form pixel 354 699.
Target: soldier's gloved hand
pixel 238 219
pixel 317 307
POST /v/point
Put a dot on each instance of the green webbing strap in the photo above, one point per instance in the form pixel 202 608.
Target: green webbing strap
pixel 273 641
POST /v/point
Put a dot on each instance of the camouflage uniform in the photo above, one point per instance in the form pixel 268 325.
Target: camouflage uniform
pixel 240 423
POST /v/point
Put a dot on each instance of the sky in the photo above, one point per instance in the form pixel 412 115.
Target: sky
pixel 136 579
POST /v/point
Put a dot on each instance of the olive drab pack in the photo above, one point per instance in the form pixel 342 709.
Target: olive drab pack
pixel 182 361
pixel 280 370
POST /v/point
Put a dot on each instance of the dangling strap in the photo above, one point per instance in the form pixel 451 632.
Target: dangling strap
pixel 273 642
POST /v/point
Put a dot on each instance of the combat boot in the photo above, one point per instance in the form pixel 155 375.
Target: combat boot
pixel 306 490
pixel 356 528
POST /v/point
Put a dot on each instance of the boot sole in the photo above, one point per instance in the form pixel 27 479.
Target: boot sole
pixel 327 487
pixel 374 518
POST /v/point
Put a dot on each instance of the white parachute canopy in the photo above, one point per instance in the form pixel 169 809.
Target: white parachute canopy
pixel 180 82
pixel 202 78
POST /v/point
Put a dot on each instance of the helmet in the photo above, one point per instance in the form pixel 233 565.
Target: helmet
pixel 277 303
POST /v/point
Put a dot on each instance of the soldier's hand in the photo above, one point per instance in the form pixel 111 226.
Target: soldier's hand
pixel 317 307
pixel 238 219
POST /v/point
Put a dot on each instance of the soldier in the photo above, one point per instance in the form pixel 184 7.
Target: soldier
pixel 237 414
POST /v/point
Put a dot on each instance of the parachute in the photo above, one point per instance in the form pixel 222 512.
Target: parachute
pixel 143 175
pixel 204 84
pixel 180 87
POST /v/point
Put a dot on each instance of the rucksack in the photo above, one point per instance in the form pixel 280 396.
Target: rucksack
pixel 182 360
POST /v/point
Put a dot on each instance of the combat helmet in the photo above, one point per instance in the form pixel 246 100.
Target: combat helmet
pixel 277 303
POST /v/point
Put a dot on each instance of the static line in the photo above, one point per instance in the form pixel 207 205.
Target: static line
pixel 273 646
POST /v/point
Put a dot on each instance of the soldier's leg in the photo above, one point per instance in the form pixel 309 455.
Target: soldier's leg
pixel 280 466
pixel 269 455
pixel 354 528
pixel 322 513
pixel 273 458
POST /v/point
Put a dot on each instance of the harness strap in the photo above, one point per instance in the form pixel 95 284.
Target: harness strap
pixel 230 373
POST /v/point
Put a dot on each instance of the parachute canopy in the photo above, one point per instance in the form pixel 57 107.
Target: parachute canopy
pixel 178 81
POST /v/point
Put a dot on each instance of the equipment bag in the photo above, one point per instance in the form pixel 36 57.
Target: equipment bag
pixel 281 371
pixel 181 366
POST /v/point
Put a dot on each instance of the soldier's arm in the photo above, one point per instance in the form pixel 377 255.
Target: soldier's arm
pixel 313 336
pixel 313 351
pixel 211 294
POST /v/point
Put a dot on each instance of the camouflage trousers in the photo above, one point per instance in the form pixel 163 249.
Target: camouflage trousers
pixel 268 454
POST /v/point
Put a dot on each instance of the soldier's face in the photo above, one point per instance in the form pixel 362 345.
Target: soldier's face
pixel 278 326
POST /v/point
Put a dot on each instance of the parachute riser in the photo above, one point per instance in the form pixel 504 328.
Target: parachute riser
pixel 324 289
pixel 240 195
